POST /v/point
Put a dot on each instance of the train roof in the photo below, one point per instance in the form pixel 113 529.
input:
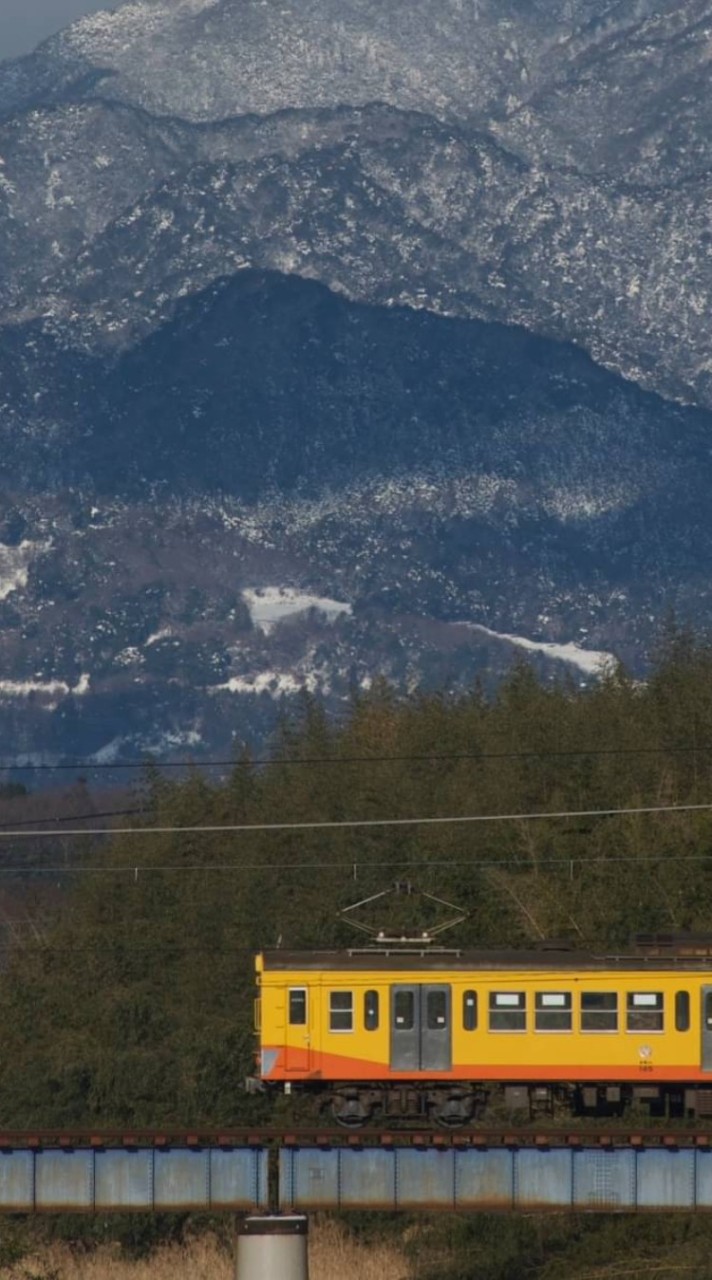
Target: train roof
pixel 397 959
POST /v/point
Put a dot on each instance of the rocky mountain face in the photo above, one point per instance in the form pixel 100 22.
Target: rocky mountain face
pixel 340 339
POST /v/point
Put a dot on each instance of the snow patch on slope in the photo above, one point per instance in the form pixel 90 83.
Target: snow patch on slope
pixel 469 495
pixel 168 741
pixel 163 633
pixel 580 504
pixel 52 690
pixel 269 606
pixel 110 752
pixel 275 683
pixel 14 565
pixel 593 662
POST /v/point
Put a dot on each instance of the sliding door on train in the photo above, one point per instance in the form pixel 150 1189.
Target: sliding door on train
pixel 421 1028
pixel 707 1028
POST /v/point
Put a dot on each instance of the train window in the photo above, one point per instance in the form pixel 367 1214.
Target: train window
pixel 645 1011
pixel 552 1011
pixel 507 1011
pixel 370 1011
pixel 341 1010
pixel 599 1011
pixel 297 1006
pixel 404 1010
pixel 682 1011
pixel 469 1011
pixel 436 1010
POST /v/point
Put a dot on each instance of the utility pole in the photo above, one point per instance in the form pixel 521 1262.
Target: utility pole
pixel 273 1247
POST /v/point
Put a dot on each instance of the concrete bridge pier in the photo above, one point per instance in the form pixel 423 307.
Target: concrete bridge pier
pixel 273 1247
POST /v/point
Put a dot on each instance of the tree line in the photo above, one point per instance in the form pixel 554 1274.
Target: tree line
pixel 135 1004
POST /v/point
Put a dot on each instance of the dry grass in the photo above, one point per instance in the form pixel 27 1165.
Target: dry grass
pixel 202 1259
pixel 333 1255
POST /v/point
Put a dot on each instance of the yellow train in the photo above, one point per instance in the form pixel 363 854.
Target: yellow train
pixel 446 1033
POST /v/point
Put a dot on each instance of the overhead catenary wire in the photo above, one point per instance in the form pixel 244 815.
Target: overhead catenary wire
pixel 350 823
pixel 520 862
pixel 180 950
pixel 13 828
pixel 235 828
pixel 149 762
pixel 75 817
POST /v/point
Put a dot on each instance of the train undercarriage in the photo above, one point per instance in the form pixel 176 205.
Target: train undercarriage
pixel 458 1105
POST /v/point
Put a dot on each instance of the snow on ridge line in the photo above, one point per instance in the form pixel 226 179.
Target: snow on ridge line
pixel 110 30
pixel 594 662
pixel 270 605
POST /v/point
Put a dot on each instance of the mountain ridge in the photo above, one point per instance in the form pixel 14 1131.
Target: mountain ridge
pixel 578 48
pixel 331 332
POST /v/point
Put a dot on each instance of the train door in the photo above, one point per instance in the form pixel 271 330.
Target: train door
pixel 298 1037
pixel 707 1028
pixel 436 1034
pixel 421 1033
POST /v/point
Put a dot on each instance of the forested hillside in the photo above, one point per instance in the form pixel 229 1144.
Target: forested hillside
pixel 136 1007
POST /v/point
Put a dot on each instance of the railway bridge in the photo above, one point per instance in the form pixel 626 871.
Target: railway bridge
pixel 275 1179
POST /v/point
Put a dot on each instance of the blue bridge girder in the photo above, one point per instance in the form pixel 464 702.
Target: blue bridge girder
pixel 513 1179
pixel 139 1179
pixel 306 1177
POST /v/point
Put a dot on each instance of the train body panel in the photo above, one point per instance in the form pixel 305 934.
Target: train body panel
pixel 337 1018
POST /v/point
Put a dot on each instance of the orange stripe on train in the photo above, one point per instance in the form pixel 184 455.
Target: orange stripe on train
pixel 305 1065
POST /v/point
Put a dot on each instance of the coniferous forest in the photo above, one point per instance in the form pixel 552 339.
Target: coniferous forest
pixel 136 1006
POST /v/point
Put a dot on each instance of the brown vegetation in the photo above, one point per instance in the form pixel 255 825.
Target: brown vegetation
pixel 333 1253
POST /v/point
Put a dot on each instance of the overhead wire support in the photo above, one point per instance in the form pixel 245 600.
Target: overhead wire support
pixel 400 888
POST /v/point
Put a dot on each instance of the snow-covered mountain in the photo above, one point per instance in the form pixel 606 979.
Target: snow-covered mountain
pixel 540 163
pixel 402 308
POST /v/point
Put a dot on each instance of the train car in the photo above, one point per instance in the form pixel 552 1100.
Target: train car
pixel 445 1034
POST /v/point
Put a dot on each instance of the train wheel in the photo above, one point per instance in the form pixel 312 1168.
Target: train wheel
pixel 454 1110
pixel 350 1110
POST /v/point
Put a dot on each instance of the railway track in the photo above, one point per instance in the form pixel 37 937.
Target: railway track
pixel 510 1136
pixel 305 1169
